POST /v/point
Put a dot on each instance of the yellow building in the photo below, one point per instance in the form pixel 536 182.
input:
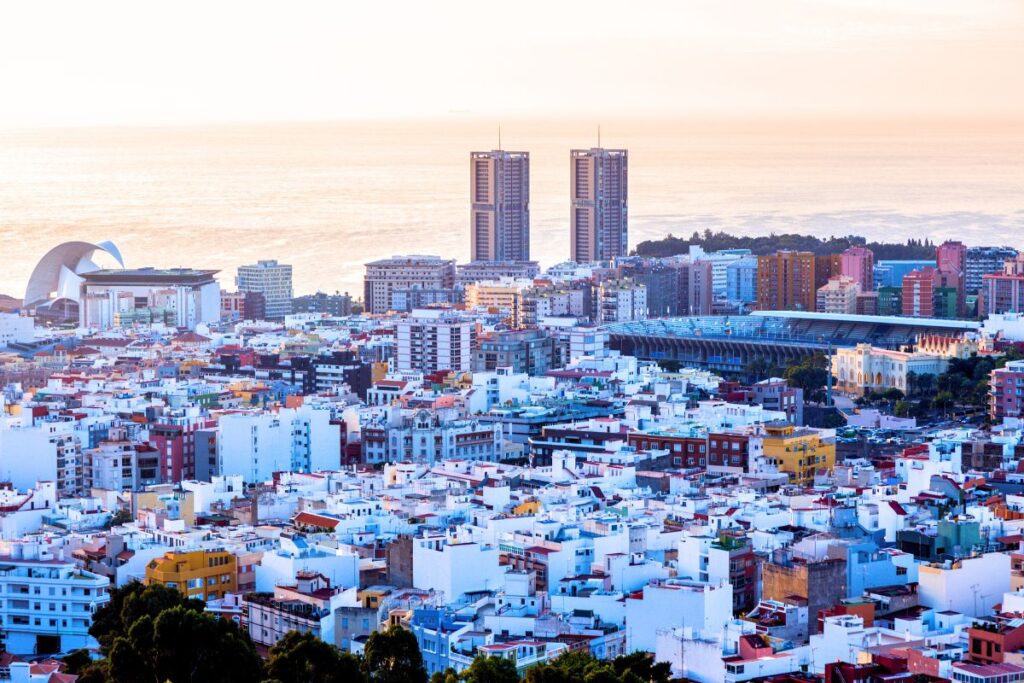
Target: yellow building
pixel 203 574
pixel 799 451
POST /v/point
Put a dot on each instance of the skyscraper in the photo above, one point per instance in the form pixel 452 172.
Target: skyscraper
pixel 499 189
pixel 599 217
pixel 271 279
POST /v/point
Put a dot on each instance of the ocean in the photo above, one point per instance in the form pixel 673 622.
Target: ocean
pixel 327 197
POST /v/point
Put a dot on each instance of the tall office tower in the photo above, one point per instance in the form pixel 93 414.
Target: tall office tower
pixel 859 263
pixel 387 277
pixel 599 215
pixel 786 281
pixel 271 279
pixel 499 186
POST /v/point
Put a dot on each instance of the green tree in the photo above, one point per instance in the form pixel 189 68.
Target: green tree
pixel 486 669
pixel 119 517
pixel 184 646
pixel 447 676
pixel 643 666
pixel 130 603
pixel 76 661
pixel 304 658
pixel 393 656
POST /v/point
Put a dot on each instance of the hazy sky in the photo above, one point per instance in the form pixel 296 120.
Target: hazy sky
pixel 97 62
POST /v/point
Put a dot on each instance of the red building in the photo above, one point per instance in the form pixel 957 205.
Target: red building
pixel 728 452
pixel 684 451
pixel 919 293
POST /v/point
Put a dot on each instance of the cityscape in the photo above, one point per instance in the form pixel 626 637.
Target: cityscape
pixel 548 418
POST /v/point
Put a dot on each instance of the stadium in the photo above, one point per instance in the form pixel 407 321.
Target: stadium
pixel 727 343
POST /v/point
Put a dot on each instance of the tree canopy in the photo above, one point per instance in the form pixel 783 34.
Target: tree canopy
pixel 769 244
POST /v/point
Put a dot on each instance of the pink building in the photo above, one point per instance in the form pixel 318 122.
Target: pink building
pixel 858 263
pixel 951 265
pixel 1004 292
pixel 1007 392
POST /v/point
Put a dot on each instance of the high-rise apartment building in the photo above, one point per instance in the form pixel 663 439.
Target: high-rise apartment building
pixel 786 281
pixel 982 261
pixel 430 340
pixel 400 273
pixel 919 293
pixel 499 188
pixel 599 214
pixel 859 263
pixel 271 279
pixel 951 265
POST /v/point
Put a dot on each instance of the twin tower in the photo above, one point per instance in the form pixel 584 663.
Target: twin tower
pixel 500 214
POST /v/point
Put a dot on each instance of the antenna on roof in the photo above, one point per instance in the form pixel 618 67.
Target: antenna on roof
pixel 599 135
pixel 499 136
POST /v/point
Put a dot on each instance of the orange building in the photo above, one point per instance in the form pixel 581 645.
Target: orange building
pixel 202 574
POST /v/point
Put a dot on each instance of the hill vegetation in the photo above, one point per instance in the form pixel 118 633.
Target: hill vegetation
pixel 769 244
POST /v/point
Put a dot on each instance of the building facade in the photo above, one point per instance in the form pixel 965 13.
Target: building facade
pixel 271 279
pixel 430 340
pixel 599 212
pixel 500 213
pixel 383 278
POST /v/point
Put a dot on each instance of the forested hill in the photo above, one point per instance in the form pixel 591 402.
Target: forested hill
pixel 769 244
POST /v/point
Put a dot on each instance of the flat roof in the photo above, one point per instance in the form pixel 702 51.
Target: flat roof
pixel 149 275
pixel 872 319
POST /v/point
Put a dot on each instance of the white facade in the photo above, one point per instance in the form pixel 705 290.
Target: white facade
pixel 47 597
pixel 280 566
pixel 704 607
pixel 271 279
pixel 255 445
pixel 864 368
pixel 971 586
pixel 47 451
pixel 15 329
pixel 431 340
pixel 455 568
pixel 621 301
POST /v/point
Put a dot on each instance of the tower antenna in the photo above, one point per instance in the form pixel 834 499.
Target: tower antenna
pixel 599 135
pixel 499 136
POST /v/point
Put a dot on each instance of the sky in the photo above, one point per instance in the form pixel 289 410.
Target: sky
pixel 113 62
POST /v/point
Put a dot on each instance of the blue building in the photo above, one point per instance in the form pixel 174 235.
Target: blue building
pixel 890 273
pixel 741 280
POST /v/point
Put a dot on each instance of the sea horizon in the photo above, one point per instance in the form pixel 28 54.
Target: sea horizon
pixel 329 196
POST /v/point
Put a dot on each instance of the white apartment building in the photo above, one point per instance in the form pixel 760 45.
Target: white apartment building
pixel 15 329
pixel 427 437
pixel 621 301
pixel 271 279
pixel 48 602
pixel 454 567
pixel 838 295
pixel 255 445
pixel 49 450
pixel 430 340
pixel 386 276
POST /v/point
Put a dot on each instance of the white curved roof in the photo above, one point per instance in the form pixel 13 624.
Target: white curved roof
pixel 58 273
